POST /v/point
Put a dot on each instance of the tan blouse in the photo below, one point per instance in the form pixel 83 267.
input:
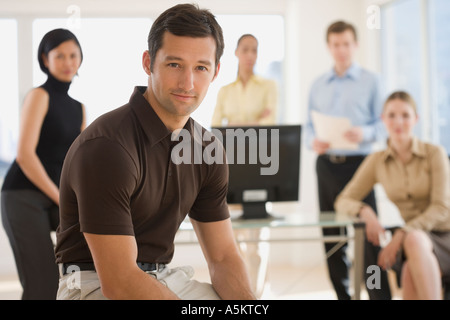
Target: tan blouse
pixel 420 189
pixel 243 105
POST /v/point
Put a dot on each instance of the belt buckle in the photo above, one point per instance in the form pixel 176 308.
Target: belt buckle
pixel 159 267
pixel 156 267
pixel 337 159
pixel 154 271
pixel 66 268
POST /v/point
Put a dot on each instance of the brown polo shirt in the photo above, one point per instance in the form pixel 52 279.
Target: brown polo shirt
pixel 119 178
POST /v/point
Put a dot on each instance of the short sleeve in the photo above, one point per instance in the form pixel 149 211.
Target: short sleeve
pixel 211 202
pixel 103 177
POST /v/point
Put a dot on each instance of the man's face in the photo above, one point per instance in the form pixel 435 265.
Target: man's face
pixel 342 47
pixel 183 69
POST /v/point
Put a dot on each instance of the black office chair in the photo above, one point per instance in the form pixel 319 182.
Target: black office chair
pixel 446 287
pixel 446 282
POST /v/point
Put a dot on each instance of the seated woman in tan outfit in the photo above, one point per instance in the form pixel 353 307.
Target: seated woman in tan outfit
pixel 415 177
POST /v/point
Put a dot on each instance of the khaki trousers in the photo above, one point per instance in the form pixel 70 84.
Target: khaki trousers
pixel 85 285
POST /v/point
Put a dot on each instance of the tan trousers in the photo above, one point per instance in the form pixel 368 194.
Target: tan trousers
pixel 85 285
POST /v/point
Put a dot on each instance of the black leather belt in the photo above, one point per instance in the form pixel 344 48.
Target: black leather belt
pixel 337 159
pixel 65 268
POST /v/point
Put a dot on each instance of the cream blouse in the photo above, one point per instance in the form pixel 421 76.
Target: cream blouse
pixel 420 189
pixel 242 105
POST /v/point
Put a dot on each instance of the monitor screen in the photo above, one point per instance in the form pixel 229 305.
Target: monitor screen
pixel 264 165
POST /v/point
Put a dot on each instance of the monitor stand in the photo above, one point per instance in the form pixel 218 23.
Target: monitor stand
pixel 255 210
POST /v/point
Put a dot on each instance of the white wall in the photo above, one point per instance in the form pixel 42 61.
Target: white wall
pixel 306 58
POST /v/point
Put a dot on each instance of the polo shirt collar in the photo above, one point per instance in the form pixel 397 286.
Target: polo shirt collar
pixel 418 149
pixel 152 125
pixel 353 73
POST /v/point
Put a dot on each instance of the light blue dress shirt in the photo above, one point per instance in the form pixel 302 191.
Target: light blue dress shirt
pixel 356 95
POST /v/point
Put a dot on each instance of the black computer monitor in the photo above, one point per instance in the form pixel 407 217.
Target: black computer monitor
pixel 264 165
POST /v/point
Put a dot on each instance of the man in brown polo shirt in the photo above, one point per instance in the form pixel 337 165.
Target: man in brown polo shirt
pixel 122 196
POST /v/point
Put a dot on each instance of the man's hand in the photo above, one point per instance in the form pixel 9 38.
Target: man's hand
pixel 354 135
pixel 320 147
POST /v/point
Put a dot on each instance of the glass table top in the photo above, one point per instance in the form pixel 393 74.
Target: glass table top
pixel 294 219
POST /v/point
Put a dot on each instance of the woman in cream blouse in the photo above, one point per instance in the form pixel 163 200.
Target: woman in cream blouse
pixel 251 99
pixel 415 177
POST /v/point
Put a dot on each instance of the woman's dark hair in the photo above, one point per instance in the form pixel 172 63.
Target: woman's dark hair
pixel 245 36
pixel 51 40
pixel 185 20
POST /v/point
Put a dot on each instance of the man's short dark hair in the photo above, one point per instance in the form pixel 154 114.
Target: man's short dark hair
pixel 340 27
pixel 185 20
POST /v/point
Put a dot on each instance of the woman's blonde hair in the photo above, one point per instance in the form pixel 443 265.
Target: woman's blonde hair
pixel 403 96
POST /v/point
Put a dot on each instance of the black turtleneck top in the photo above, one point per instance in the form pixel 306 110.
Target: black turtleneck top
pixel 61 125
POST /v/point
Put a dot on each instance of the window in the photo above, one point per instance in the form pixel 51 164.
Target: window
pixel 112 55
pixel 415 51
pixel 439 23
pixel 401 51
pixel 9 108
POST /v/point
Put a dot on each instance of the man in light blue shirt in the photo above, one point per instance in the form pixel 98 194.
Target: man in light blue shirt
pixel 356 95
pixel 352 92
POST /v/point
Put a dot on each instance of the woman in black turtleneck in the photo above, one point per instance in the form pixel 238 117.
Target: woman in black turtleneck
pixel 50 122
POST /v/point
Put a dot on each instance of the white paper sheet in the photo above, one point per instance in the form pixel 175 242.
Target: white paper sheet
pixel 331 129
